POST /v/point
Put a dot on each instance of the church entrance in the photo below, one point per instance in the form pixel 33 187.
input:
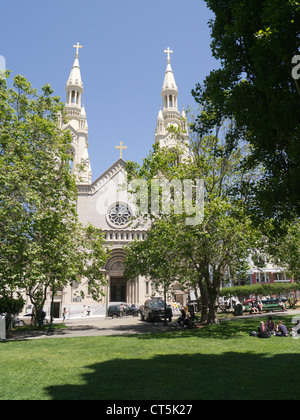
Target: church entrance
pixel 118 290
pixel 56 309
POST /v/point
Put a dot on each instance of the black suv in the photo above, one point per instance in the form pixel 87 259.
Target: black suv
pixel 114 311
pixel 154 310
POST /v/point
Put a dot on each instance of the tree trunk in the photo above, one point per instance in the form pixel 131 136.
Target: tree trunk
pixel 213 290
pixel 213 307
pixel 204 300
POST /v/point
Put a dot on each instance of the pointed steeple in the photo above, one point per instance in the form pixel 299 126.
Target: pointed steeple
pixel 170 114
pixel 77 123
pixel 169 90
pixel 74 86
pixel 83 125
pixel 160 129
pixel 75 75
pixel 169 82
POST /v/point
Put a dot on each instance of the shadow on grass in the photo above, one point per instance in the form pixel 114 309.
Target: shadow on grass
pixel 230 376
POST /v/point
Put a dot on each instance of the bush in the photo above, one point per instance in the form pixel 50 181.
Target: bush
pixel 260 289
pixel 10 305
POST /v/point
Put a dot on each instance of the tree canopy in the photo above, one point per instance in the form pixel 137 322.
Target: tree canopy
pixel 256 42
pixel 43 245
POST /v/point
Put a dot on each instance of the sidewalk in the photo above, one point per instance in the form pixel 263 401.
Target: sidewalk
pixel 89 327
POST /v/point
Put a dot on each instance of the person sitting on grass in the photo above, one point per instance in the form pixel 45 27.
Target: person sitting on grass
pixel 187 323
pixel 263 331
pixel 182 317
pixel 271 325
pixel 281 330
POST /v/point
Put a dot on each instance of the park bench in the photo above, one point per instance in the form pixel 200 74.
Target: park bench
pixel 268 307
pixel 272 307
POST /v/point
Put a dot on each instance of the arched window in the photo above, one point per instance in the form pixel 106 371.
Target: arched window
pixel 72 157
pixel 73 97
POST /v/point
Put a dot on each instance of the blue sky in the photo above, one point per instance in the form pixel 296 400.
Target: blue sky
pixel 122 61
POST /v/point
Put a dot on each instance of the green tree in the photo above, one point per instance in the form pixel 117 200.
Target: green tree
pixel 255 42
pixel 285 250
pixel 205 253
pixel 43 246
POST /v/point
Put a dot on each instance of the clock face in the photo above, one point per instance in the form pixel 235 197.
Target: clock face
pixel 119 215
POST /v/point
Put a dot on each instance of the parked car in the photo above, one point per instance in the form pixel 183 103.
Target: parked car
pixel 114 311
pixel 26 319
pixel 154 310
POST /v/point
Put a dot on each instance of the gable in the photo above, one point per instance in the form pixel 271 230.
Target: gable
pixel 95 200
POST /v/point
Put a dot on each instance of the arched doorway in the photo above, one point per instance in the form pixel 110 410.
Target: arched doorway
pixel 117 284
pixel 119 289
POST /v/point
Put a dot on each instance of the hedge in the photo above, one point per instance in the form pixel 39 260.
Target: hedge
pixel 259 289
pixel 10 305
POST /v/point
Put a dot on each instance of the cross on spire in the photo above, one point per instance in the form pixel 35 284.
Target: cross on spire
pixel 168 51
pixel 77 46
pixel 121 147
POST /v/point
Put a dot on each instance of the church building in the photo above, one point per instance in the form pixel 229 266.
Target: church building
pixel 104 202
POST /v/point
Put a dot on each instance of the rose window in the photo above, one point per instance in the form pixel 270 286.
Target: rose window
pixel 119 215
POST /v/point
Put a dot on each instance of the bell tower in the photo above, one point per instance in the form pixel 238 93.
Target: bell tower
pixel 169 115
pixel 77 123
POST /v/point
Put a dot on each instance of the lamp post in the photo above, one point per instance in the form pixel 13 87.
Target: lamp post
pixel 165 306
pixel 50 329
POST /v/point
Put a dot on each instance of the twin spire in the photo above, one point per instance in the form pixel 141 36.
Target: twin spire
pixel 167 116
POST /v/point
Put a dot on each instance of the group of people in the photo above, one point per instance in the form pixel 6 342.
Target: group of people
pixel 86 311
pixel 257 305
pixel 266 330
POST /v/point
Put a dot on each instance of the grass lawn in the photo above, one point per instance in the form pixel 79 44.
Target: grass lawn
pixel 217 362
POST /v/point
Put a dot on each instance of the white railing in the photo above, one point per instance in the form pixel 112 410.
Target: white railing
pixel 282 281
